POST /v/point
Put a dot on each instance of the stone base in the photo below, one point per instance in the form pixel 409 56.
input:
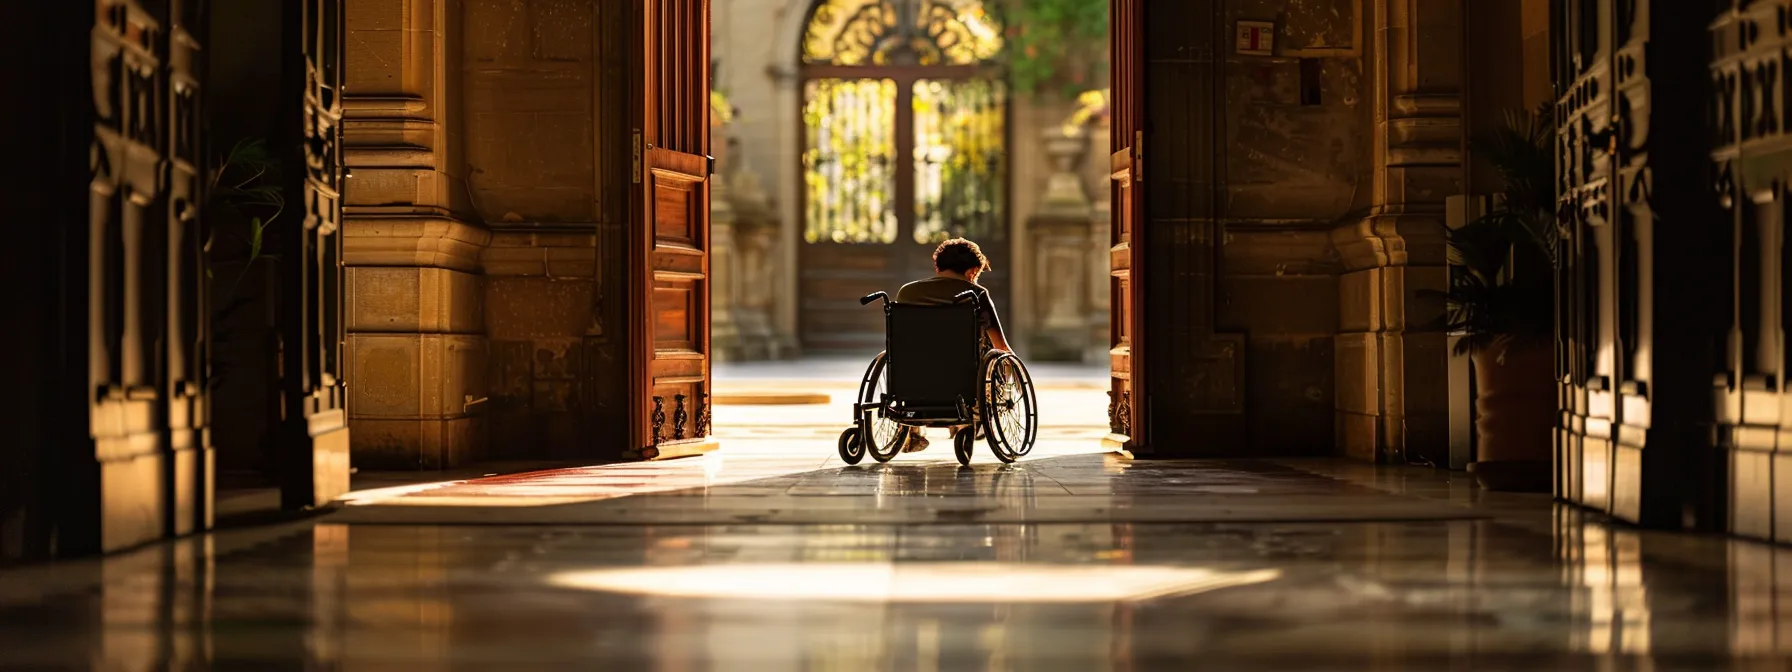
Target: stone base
pixel 415 444
pixel 329 464
pixel 1514 476
pixel 132 502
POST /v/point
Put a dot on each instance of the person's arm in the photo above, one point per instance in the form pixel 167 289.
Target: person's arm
pixel 992 325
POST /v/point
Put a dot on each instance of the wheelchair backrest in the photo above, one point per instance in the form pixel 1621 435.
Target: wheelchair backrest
pixel 933 352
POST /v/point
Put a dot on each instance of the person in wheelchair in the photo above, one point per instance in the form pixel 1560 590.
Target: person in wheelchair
pixel 956 265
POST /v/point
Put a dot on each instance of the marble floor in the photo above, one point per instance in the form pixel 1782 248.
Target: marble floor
pixel 771 555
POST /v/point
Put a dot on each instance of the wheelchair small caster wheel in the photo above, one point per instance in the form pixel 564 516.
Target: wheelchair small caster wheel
pixel 962 444
pixel 852 447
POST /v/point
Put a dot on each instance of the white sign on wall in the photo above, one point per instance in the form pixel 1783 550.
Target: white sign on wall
pixel 1256 38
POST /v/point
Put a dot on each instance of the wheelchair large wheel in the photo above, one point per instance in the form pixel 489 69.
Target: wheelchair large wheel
pixel 1010 407
pixel 851 448
pixel 881 436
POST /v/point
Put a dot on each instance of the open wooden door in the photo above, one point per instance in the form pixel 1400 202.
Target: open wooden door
pixel 668 237
pixel 313 411
pixel 1126 407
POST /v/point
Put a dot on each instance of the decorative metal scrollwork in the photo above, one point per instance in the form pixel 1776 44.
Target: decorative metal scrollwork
pixel 678 417
pixel 659 420
pixel 901 32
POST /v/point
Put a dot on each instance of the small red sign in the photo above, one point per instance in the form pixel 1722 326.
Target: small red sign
pixel 1256 38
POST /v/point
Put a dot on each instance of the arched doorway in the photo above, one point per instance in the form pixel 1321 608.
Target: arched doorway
pixel 904 132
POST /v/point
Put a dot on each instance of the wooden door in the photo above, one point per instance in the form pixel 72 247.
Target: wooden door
pixel 107 439
pixel 1641 284
pixel 1178 386
pixel 1752 161
pixel 668 237
pixel 313 427
pixel 1126 412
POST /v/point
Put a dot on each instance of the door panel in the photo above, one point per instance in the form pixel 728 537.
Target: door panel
pixel 107 445
pixel 1170 199
pixel 314 463
pixel 1752 167
pixel 668 239
pixel 1636 345
pixel 1126 410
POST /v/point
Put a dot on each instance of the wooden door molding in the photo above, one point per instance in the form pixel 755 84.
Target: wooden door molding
pixel 313 427
pixel 1635 363
pixel 668 234
pixel 1126 402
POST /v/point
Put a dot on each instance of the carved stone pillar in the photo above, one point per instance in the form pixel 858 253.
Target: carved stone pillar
pixel 416 343
pixel 1059 236
pixel 1391 381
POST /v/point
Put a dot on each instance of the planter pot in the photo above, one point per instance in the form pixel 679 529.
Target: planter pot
pixel 1515 404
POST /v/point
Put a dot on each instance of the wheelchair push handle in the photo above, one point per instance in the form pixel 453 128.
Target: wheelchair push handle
pixel 965 296
pixel 868 298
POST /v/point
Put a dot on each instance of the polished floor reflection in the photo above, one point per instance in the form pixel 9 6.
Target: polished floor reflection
pixel 771 557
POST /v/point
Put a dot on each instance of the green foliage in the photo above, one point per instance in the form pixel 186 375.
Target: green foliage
pixel 1502 280
pixel 245 192
pixel 1059 45
pixel 720 110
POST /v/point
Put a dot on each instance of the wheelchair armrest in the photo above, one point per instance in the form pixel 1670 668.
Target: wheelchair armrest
pixel 868 298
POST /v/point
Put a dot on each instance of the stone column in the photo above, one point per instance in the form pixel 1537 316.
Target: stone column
pixel 782 253
pixel 1058 244
pixel 416 350
pixel 724 286
pixel 758 296
pixel 1392 380
pixel 1101 215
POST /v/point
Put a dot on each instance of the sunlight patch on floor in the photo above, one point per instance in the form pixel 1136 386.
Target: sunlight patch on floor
pixel 972 582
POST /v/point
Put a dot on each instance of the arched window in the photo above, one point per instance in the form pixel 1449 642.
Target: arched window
pixel 905 121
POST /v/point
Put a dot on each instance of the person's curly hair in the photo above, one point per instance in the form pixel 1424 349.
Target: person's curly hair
pixel 959 255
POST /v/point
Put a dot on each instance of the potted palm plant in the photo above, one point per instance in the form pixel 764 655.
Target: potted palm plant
pixel 1501 301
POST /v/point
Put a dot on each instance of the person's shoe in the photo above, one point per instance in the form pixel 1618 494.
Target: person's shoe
pixel 915 442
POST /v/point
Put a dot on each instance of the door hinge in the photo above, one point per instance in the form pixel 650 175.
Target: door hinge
pixel 1138 156
pixel 637 156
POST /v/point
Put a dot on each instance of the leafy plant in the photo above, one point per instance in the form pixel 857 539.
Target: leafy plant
pixel 244 188
pixel 1091 105
pixel 1062 43
pixel 1502 276
pixel 720 110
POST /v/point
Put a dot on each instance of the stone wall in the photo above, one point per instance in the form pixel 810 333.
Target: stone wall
pixel 473 137
pixel 1294 153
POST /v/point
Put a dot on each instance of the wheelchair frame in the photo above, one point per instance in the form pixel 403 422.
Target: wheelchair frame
pixel 977 417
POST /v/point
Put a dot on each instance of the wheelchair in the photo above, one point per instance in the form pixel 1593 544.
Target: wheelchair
pixel 934 372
